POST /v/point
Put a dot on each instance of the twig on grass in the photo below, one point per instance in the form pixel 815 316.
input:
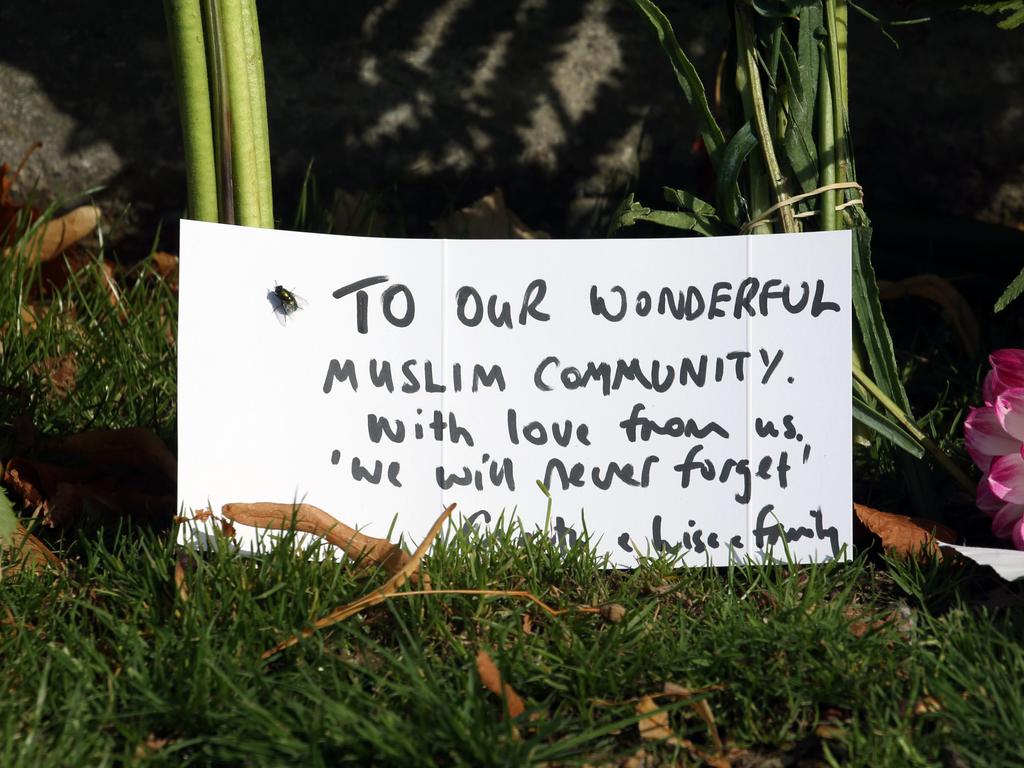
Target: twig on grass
pixel 365 550
pixel 378 595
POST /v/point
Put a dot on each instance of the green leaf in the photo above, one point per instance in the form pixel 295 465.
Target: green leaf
pixel 631 212
pixel 874 331
pixel 689 80
pixel 735 154
pixel 689 201
pixel 798 140
pixel 8 520
pixel 1013 290
pixel 887 428
pixel 1014 10
pixel 809 31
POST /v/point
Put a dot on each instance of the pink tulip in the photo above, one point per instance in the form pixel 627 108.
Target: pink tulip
pixel 994 435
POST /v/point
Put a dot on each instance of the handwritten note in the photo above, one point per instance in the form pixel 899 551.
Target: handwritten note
pixel 688 396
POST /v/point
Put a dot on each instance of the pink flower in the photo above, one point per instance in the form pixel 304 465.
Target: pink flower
pixel 995 440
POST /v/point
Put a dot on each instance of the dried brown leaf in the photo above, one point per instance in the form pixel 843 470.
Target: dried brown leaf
pixel 367 551
pixel 492 681
pixel 57 235
pixel 134 447
pixel 927 705
pixel 150 746
pixel 906 536
pixel 60 371
pixel 654 725
pixel 702 707
pixel 180 585
pixel 488 218
pixel 166 265
pixel 613 613
pixel 26 551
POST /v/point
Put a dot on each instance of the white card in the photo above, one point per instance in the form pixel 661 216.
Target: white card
pixel 678 395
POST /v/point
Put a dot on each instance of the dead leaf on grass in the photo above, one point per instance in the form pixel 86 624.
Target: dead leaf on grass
pixel 166 265
pixel 134 447
pixel 701 707
pixel 613 613
pixel 150 746
pixel 489 219
pixel 905 536
pixel 58 235
pixel 60 373
pixel 102 473
pixel 927 705
pixel 367 551
pixel 492 681
pixel 180 585
pixel 654 725
pixel 26 551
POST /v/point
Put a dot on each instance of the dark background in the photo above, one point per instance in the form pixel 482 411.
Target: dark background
pixel 565 104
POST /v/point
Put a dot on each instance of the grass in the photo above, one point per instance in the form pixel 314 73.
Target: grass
pixel 846 664
pixel 872 663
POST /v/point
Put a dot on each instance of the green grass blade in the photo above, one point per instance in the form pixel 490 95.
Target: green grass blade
pixel 798 99
pixel 686 74
pixel 888 429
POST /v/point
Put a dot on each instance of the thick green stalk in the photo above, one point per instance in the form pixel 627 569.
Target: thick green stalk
pixel 217 74
pixel 827 158
pixel 837 66
pixel 244 165
pixel 755 99
pixel 185 32
pixel 258 107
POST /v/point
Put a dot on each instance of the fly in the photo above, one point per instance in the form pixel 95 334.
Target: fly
pixel 285 303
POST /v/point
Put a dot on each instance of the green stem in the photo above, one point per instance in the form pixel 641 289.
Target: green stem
pixel 837 64
pixel 185 32
pixel 244 166
pixel 756 100
pixel 826 145
pixel 258 108
pixel 926 442
pixel 221 111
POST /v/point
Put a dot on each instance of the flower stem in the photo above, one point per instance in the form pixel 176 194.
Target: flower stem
pixel 185 32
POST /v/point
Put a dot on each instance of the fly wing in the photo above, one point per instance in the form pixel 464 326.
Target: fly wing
pixel 280 308
pixel 300 302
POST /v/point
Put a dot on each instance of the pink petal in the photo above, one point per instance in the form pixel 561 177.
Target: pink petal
pixel 987 501
pixel 1005 520
pixel 1009 409
pixel 1017 535
pixel 1009 366
pixel 986 438
pixel 991 388
pixel 1006 478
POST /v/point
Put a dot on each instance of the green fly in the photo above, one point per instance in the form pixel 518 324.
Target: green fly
pixel 285 303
